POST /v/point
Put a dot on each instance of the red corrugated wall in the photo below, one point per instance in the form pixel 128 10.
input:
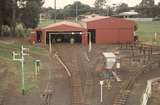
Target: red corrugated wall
pixel 114 35
pixel 112 30
pixel 32 37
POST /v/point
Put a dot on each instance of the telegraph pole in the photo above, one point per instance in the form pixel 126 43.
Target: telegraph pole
pixel 76 11
pixel 21 59
pixel 107 7
pixel 55 13
pixel 108 10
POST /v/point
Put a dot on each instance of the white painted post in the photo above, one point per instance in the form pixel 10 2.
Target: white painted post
pixel 23 84
pixel 90 43
pixel 148 91
pixel 22 67
pixel 118 64
pixel 22 54
pixel 155 36
pixel 50 44
pixel 36 72
pixel 101 84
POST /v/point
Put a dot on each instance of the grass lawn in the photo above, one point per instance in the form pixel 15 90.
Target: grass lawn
pixel 146 30
pixel 15 66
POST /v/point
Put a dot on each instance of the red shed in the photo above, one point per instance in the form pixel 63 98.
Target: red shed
pixel 34 36
pixel 62 32
pixel 110 30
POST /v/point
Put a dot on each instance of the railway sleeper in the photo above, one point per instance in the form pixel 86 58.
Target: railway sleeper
pixel 77 101
pixel 121 103
pixel 76 85
pixel 120 96
pixel 121 99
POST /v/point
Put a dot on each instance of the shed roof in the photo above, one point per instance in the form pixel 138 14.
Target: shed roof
pixel 104 22
pixel 95 18
pixel 71 24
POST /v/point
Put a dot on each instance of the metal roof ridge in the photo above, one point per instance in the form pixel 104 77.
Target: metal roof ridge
pixel 95 18
pixel 64 23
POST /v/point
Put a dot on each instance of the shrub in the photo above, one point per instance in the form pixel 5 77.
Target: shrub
pixel 21 31
pixel 135 27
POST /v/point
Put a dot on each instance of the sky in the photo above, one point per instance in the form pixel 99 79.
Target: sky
pixel 62 3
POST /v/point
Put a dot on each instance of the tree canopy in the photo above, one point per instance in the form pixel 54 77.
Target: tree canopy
pixel 147 8
pixel 68 11
pixel 123 7
pixel 25 12
pixel 30 14
pixel 100 4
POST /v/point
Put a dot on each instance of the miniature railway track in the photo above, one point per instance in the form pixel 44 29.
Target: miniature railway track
pixel 74 59
pixel 49 89
pixel 87 68
pixel 71 60
pixel 124 93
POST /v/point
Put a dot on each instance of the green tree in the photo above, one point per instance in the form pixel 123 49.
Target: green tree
pixel 6 14
pixel 23 11
pixel 146 8
pixel 13 17
pixel 147 3
pixel 100 4
pixel 70 10
pixel 1 18
pixel 31 12
pixel 157 10
pixel 122 8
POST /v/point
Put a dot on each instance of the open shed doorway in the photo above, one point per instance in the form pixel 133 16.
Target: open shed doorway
pixel 64 37
pixel 93 35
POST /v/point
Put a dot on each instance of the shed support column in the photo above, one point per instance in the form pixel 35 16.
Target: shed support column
pixel 43 43
pixel 85 38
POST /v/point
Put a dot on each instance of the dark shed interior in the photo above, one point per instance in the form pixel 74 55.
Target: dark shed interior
pixel 64 37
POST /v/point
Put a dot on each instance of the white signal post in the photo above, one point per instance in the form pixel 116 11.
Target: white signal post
pixel 155 36
pixel 90 43
pixel 101 84
pixel 21 59
pixel 50 44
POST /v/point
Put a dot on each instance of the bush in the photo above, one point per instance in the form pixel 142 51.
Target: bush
pixel 6 30
pixel 135 27
pixel 21 31
pixel 156 19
